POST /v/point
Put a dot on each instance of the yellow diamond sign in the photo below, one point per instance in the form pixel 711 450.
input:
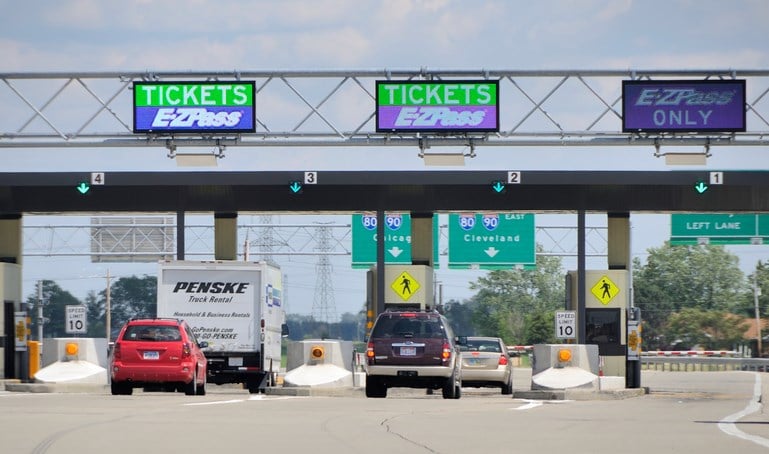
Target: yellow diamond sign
pixel 405 286
pixel 605 290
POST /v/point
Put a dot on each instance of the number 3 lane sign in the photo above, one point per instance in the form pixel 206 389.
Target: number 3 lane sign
pixel 566 324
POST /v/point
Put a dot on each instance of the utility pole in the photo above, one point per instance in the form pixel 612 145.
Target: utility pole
pixel 756 294
pixel 40 314
pixel 108 309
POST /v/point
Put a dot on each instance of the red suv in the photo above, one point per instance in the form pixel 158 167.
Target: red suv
pixel 412 349
pixel 158 352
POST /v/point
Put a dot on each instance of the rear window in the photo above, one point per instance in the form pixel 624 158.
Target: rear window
pixel 420 327
pixel 152 333
pixel 473 345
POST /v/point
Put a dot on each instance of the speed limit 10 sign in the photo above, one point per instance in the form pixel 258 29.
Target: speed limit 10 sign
pixel 75 320
pixel 566 324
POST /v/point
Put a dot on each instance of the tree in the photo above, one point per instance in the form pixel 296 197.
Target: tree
pixel 506 297
pixel 676 277
pixel 130 297
pixel 759 279
pixel 460 316
pixel 706 328
pixel 96 315
pixel 540 328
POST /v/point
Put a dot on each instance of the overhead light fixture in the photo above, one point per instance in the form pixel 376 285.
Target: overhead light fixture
pixel 683 157
pixel 444 159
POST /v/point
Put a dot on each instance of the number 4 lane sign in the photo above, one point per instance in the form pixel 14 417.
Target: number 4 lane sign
pixel 565 325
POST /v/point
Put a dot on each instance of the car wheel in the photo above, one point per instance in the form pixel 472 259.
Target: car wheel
pixel 253 385
pixel 450 387
pixel 121 389
pixel 200 390
pixel 507 388
pixel 189 388
pixel 375 387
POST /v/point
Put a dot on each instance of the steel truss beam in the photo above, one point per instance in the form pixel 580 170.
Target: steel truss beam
pixel 287 240
pixel 306 108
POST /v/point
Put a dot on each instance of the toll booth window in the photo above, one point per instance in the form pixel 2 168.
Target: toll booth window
pixel 603 326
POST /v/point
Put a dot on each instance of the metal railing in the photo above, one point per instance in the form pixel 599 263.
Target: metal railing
pixel 703 363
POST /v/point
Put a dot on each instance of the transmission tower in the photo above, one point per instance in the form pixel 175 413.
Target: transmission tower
pixel 323 305
pixel 266 240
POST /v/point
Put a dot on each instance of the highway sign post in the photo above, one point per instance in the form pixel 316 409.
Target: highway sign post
pixel 491 240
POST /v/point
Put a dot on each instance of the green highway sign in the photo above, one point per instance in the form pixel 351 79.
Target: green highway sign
pixel 397 239
pixel 491 240
pixel 719 228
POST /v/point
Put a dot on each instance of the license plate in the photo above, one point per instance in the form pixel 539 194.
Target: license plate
pixel 151 355
pixel 408 351
pixel 235 361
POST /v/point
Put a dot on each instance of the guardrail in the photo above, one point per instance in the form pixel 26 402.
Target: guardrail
pixel 703 363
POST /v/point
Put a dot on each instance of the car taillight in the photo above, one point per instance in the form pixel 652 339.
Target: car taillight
pixel 370 353
pixel 502 360
pixel 116 351
pixel 186 350
pixel 446 351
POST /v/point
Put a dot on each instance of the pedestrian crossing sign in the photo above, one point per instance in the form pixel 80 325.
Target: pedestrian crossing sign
pixel 605 290
pixel 405 286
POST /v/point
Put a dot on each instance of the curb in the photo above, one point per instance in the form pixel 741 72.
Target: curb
pixel 580 394
pixel 305 391
pixel 89 388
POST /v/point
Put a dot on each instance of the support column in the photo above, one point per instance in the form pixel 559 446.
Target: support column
pixel 10 291
pixel 226 236
pixel 619 241
pixel 619 258
pixel 10 238
pixel 422 239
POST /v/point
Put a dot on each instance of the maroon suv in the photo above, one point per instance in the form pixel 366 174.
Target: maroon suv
pixel 158 352
pixel 412 349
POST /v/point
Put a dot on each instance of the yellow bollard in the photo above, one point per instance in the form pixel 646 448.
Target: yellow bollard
pixel 33 349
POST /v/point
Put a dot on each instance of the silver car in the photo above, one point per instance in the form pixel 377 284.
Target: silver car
pixel 485 363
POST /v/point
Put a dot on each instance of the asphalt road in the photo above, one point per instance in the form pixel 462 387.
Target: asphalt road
pixel 702 412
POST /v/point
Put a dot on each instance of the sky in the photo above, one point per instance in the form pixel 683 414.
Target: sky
pixel 198 35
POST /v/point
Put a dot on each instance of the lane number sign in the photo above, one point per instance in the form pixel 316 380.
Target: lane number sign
pixel 566 324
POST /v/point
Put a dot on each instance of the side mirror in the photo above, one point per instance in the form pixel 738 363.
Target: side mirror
pixel 203 344
pixel 284 330
pixel 460 340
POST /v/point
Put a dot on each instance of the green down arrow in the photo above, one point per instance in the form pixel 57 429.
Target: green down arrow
pixel 701 187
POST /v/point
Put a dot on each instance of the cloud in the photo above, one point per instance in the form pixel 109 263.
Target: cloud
pixel 346 46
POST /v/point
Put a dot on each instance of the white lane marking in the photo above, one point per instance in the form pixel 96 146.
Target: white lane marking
pixel 537 403
pixel 727 424
pixel 263 397
pixel 216 402
pixel 528 406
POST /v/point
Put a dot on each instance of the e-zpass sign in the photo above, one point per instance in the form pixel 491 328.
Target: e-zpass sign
pixel 194 107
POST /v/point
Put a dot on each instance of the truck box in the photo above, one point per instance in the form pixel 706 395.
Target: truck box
pixel 237 308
